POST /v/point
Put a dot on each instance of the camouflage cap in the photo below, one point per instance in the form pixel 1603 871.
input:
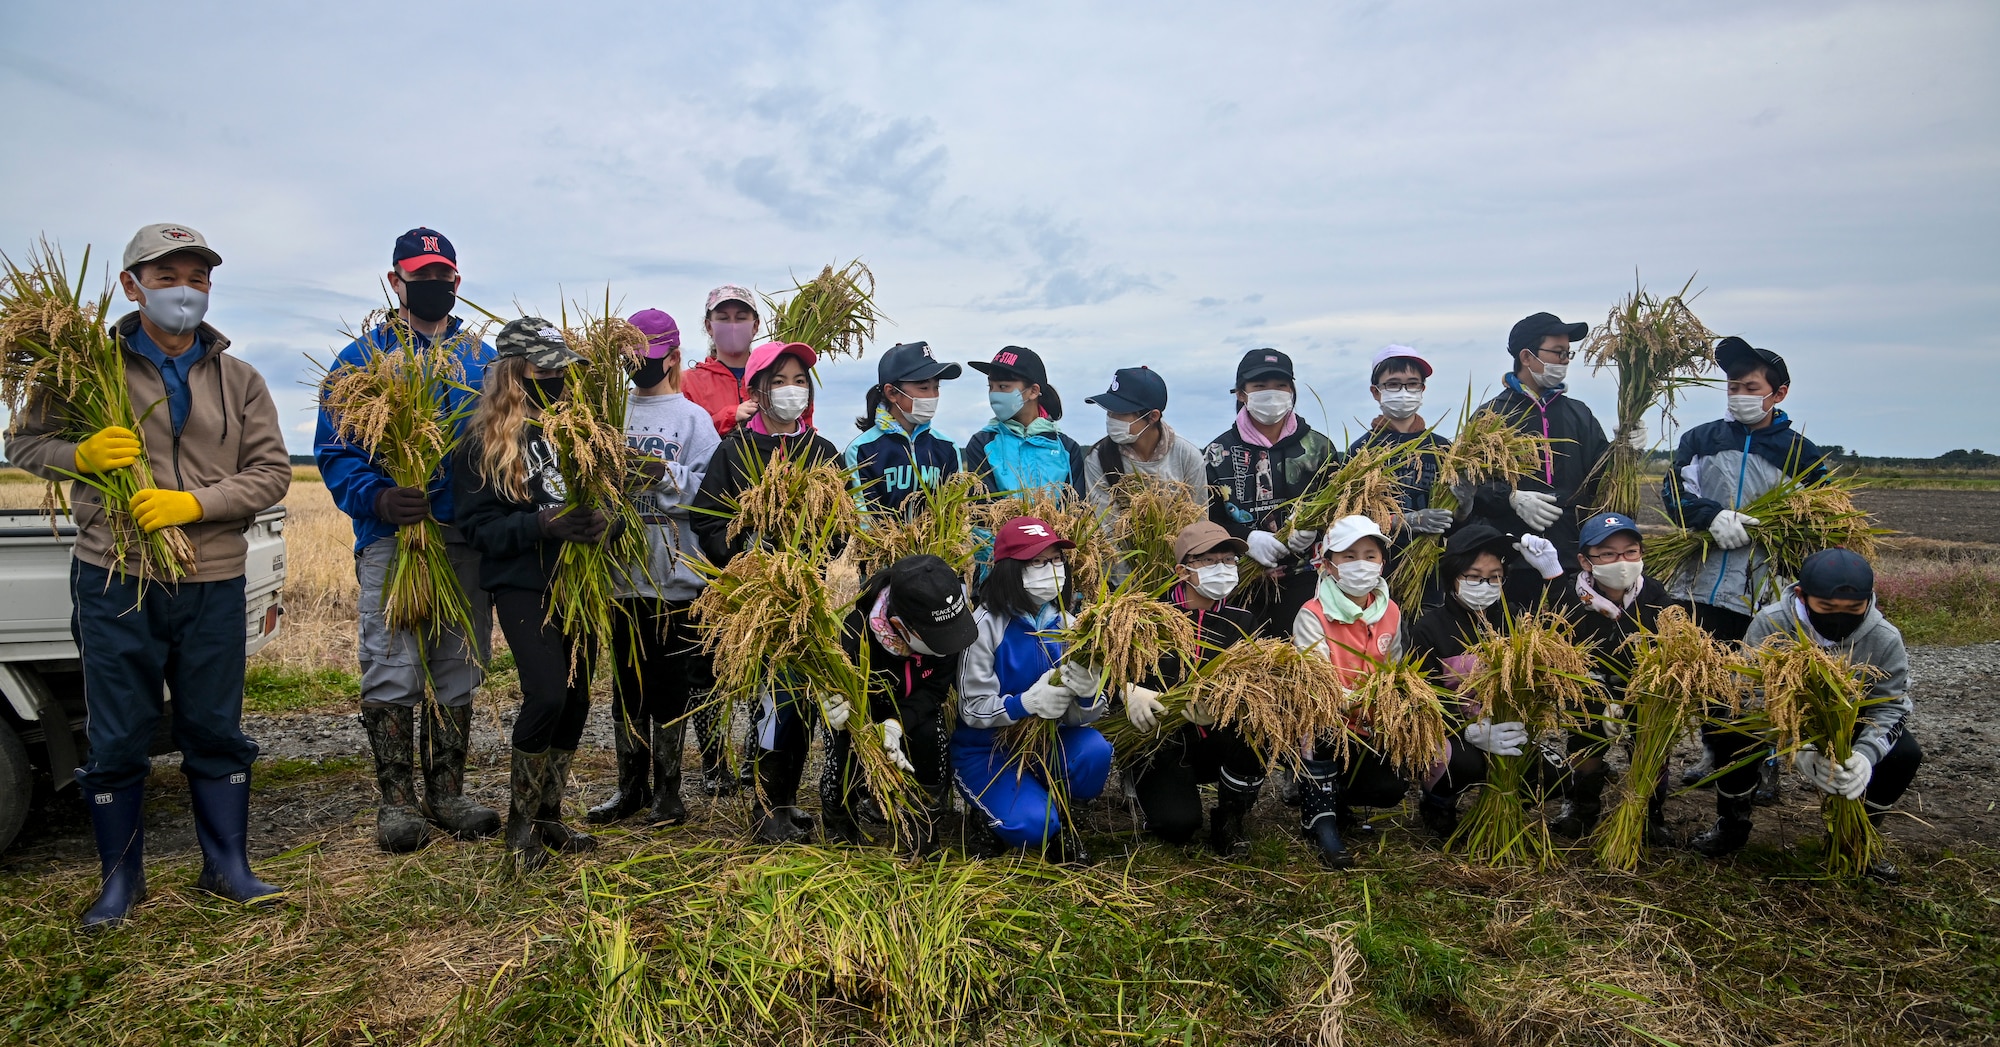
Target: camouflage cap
pixel 538 340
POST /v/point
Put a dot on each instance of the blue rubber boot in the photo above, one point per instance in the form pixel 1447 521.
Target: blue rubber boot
pixel 222 824
pixel 118 819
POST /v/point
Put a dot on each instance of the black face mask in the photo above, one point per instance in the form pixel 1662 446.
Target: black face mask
pixel 544 391
pixel 1835 626
pixel 430 300
pixel 650 373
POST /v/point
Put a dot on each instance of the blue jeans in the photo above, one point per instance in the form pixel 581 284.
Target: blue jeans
pixel 187 639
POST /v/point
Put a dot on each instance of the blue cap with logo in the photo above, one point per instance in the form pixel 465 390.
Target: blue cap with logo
pixel 424 246
pixel 912 362
pixel 1602 526
pixel 1134 390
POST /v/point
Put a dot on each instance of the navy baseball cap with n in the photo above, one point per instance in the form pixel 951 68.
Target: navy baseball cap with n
pixel 424 246
pixel 1837 574
pixel 1262 363
pixel 1134 390
pixel 1736 355
pixel 1602 526
pixel 1528 334
pixel 929 597
pixel 912 362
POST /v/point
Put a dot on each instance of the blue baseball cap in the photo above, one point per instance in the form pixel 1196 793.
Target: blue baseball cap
pixel 424 246
pixel 1837 574
pixel 1602 526
pixel 1134 390
pixel 912 362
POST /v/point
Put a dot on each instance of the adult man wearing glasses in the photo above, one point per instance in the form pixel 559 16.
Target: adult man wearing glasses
pixel 1549 501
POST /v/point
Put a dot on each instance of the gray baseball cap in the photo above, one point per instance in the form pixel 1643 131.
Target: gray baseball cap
pixel 164 238
pixel 538 340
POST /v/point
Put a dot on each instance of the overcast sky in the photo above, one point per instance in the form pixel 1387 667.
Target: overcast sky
pixel 1167 184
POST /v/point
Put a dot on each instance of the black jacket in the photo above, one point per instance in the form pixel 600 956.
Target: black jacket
pixel 1258 486
pixel 742 451
pixel 1219 627
pixel 513 554
pixel 1571 472
pixel 913 687
pixel 1605 635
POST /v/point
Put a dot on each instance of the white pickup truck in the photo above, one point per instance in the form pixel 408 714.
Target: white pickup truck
pixel 41 680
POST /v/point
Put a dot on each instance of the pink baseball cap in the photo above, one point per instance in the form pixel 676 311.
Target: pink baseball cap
pixel 1025 537
pixel 1397 352
pixel 663 336
pixel 765 357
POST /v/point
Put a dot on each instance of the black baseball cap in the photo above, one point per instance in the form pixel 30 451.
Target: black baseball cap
pixel 1479 537
pixel 1134 390
pixel 423 246
pixel 1837 574
pixel 929 597
pixel 1733 353
pixel 1528 334
pixel 1262 363
pixel 1016 363
pixel 912 362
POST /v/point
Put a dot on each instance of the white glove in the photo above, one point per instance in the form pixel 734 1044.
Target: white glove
pixel 1540 554
pixel 1301 542
pixel 1639 438
pixel 1851 778
pixel 1730 528
pixel 1047 697
pixel 1266 549
pixel 1429 521
pixel 1535 509
pixel 1818 769
pixel 1143 708
pixel 1497 739
pixel 892 743
pixel 1198 714
pixel 838 711
pixel 1081 681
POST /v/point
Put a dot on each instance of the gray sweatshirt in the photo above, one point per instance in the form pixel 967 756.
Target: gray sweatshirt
pixel 672 428
pixel 1179 462
pixel 1877 643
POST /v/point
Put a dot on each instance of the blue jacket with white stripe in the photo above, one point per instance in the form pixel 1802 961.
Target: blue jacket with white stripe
pixel 1726 465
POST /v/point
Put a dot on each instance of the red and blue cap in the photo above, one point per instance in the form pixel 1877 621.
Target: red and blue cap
pixel 424 246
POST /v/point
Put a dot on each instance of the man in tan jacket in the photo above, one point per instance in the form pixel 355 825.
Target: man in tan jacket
pixel 218 459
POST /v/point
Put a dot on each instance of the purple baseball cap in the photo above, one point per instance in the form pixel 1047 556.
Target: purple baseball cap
pixel 663 336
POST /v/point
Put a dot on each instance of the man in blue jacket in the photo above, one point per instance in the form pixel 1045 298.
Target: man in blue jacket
pixel 898 453
pixel 395 664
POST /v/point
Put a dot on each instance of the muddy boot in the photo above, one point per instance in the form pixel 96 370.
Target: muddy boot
pixel 668 741
pixel 777 819
pixel 222 825
pixel 1731 829
pixel 447 736
pixel 1768 785
pixel 1695 772
pixel 525 785
pixel 635 768
pixel 1233 801
pixel 548 817
pixel 118 821
pixel 1657 833
pixel 399 827
pixel 1319 813
pixel 1439 813
pixel 1583 802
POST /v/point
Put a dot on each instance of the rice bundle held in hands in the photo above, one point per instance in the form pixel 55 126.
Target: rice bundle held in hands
pixel 1795 519
pixel 1268 690
pixel 1403 712
pixel 833 312
pixel 940 525
pixel 1366 484
pixel 790 504
pixel 1488 448
pixel 58 357
pixel 1815 697
pixel 1147 515
pixel 1660 349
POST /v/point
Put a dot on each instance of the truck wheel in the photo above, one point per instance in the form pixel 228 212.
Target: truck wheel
pixel 17 784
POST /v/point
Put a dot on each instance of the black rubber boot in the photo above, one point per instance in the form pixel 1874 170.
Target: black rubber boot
pixel 1731 829
pixel 399 827
pixel 549 817
pixel 1881 870
pixel 635 769
pixel 668 741
pixel 1233 801
pixel 777 820
pixel 222 825
pixel 1319 813
pixel 1439 813
pixel 525 784
pixel 1583 801
pixel 447 738
pixel 118 820
pixel 1657 833
pixel 1695 772
pixel 1769 783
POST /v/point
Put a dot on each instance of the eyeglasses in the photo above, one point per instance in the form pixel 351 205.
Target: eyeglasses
pixel 1632 555
pixel 1565 357
pixel 1475 578
pixel 1210 560
pixel 1402 387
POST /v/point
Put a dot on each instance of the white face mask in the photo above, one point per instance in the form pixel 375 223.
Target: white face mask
pixel 922 409
pixel 917 644
pixel 175 310
pixel 1216 581
pixel 1122 433
pixel 789 402
pixel 1400 404
pixel 1552 375
pixel 1358 577
pixel 1268 406
pixel 1043 582
pixel 1622 575
pixel 1478 595
pixel 1748 410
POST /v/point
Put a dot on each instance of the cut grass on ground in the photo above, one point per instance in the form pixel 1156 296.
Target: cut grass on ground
pixel 1942 604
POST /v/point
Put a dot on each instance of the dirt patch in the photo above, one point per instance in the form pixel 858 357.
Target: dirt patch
pixel 1955 516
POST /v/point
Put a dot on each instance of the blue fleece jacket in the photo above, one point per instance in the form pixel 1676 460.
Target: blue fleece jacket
pixel 890 464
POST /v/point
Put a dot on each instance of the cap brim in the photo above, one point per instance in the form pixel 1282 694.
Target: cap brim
pixel 206 254
pixel 941 369
pixel 1576 332
pixel 412 264
pixel 1041 546
pixel 1268 372
pixel 950 636
pixel 993 370
pixel 1115 403
pixel 1227 543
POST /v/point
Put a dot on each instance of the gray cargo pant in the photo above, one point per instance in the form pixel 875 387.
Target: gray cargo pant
pixel 392 663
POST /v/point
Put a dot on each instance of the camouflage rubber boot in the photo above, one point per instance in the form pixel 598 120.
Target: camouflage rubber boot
pixel 447 736
pixel 548 817
pixel 525 785
pixel 399 827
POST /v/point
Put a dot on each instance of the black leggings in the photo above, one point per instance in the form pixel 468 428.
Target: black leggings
pixel 1167 779
pixel 925 741
pixel 553 704
pixel 657 661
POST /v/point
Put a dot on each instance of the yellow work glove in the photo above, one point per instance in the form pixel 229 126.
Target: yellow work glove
pixel 112 447
pixel 155 508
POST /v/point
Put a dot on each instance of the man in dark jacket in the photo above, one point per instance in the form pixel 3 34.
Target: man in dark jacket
pixel 1552 501
pixel 1263 463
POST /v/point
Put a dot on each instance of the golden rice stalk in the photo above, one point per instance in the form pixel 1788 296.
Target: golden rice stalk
pixel 1795 519
pixel 938 521
pixel 1486 448
pixel 1677 669
pixel 1660 350
pixel 1147 515
pixel 57 352
pixel 1531 674
pixel 828 671
pixel 1403 715
pixel 794 505
pixel 1125 635
pixel 1815 697
pixel 1073 518
pixel 762 610
pixel 833 312
pixel 1364 485
pixel 1273 694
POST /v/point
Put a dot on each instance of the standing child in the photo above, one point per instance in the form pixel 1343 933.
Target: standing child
pixel 898 453
pixel 1397 383
pixel 1023 449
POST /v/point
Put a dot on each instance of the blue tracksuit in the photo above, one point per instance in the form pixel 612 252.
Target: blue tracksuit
pixel 1726 465
pixel 890 464
pixel 352 477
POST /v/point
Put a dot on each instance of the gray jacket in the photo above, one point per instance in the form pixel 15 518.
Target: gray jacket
pixel 1739 580
pixel 1878 643
pixel 672 428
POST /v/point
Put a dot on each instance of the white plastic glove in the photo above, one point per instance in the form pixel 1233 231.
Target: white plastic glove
pixel 1535 509
pixel 1266 549
pixel 1851 778
pixel 1301 542
pixel 1497 739
pixel 1198 714
pixel 1081 681
pixel 892 743
pixel 838 711
pixel 1143 708
pixel 1429 521
pixel 1047 697
pixel 1639 438
pixel 1731 528
pixel 1540 554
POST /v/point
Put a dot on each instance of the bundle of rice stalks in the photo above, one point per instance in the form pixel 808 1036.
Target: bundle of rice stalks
pixel 903 803
pixel 938 521
pixel 1365 485
pixel 1795 519
pixel 1530 674
pixel 1403 713
pixel 397 407
pixel 1660 350
pixel 1269 691
pixel 1677 669
pixel 57 354
pixel 1814 697
pixel 789 504
pixel 1146 515
pixel 1073 518
pixel 1487 448
pixel 833 312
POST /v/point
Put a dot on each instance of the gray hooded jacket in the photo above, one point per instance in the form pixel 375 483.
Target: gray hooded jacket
pixel 1878 643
